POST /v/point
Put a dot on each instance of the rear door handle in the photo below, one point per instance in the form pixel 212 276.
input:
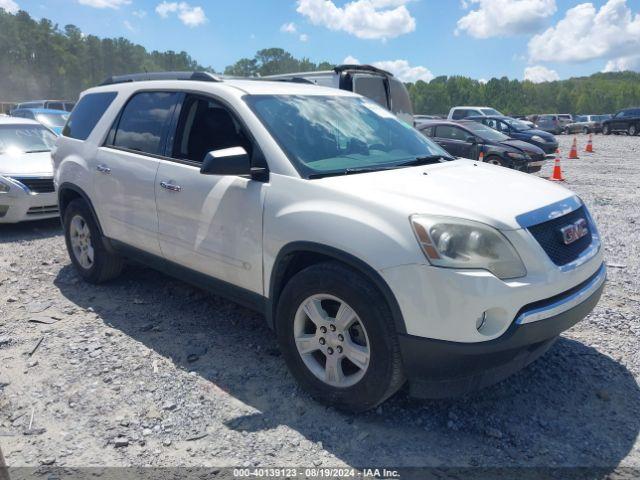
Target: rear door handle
pixel 170 186
pixel 103 169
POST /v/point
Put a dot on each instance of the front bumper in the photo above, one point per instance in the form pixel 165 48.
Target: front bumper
pixel 439 369
pixel 19 206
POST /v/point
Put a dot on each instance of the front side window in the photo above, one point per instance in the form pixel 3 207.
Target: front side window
pixel 144 121
pixel 205 126
pixel 88 113
pixel 451 133
pixel 17 139
pixel 371 87
pixel 338 134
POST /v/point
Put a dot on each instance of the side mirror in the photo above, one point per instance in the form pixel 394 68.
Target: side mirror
pixel 227 161
pixel 472 140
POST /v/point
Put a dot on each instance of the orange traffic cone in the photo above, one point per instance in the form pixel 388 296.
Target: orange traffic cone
pixel 589 147
pixel 573 154
pixel 557 171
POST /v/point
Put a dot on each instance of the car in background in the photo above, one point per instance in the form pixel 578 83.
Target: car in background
pixel 63 105
pixel 458 113
pixel 467 139
pixel 565 119
pixel 54 119
pixel 586 124
pixel 520 130
pixel 26 172
pixel 422 118
pixel 625 121
pixel 549 123
pixel 371 82
pixel 6 107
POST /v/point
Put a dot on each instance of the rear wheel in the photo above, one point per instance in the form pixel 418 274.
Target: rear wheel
pixel 86 247
pixel 585 130
pixel 338 337
pixel 633 130
pixel 606 130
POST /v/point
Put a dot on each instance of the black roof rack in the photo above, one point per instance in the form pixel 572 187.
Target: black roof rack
pixel 291 80
pixel 143 77
pixel 363 68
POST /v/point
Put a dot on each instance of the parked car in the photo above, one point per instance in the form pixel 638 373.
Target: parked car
pixel 373 257
pixel 520 130
pixel 625 121
pixel 6 107
pixel 586 124
pixel 421 118
pixel 374 83
pixel 458 113
pixel 550 123
pixel 26 173
pixel 63 105
pixel 565 119
pixel 467 138
pixel 54 119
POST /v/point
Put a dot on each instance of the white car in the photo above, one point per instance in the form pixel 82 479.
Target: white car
pixel 459 113
pixel 26 171
pixel 375 257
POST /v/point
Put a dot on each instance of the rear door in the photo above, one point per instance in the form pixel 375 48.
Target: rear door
pixel 211 224
pixel 126 169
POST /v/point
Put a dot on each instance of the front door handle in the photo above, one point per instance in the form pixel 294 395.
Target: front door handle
pixel 170 186
pixel 103 169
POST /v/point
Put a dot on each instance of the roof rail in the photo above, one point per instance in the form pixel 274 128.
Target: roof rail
pixel 363 68
pixel 143 77
pixel 290 80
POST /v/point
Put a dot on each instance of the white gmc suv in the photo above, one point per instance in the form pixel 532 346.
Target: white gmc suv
pixel 375 257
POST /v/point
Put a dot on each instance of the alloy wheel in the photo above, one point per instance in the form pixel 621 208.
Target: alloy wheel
pixel 81 245
pixel 331 340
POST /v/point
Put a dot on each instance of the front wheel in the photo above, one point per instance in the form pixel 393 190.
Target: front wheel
pixel 633 130
pixel 338 338
pixel 493 160
pixel 606 130
pixel 86 247
pixel 585 130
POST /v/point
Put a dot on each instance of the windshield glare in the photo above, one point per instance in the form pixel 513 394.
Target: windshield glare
pixel 486 133
pixel 24 139
pixel 52 120
pixel 517 124
pixel 490 111
pixel 335 134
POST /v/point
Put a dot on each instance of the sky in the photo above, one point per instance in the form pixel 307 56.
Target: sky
pixel 540 40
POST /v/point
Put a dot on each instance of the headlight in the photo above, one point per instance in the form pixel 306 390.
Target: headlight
pixel 517 156
pixel 5 186
pixel 457 243
pixel 538 138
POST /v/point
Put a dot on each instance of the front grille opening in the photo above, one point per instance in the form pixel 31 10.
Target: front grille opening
pixel 45 210
pixel 549 236
pixel 38 185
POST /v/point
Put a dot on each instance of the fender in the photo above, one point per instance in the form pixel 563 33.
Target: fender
pixel 282 262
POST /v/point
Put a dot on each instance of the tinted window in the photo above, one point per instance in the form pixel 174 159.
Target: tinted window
pixel 205 126
pixel 143 122
pixel 400 101
pixel 453 133
pixel 371 87
pixel 55 105
pixel 460 113
pixel 86 115
pixel 428 131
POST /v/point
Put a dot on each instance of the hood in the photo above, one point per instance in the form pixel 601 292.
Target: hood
pixel 26 164
pixel 523 146
pixel 533 131
pixel 461 188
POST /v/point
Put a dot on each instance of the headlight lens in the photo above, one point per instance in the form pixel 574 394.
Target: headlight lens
pixel 457 243
pixel 538 138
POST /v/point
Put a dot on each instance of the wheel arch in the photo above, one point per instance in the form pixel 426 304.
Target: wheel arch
pixel 296 256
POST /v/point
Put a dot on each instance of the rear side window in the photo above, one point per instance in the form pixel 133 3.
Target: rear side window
pixel 459 113
pixel 87 114
pixel 371 87
pixel 55 105
pixel 144 121
pixel 453 133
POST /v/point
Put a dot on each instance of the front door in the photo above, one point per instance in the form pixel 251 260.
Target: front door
pixel 210 223
pixel 454 140
pixel 126 168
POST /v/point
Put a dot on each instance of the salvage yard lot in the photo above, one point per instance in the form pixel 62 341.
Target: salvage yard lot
pixel 150 371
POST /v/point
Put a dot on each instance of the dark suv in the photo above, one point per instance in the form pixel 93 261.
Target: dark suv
pixel 520 130
pixel 625 121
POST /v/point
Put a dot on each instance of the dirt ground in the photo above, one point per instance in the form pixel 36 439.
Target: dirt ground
pixel 149 371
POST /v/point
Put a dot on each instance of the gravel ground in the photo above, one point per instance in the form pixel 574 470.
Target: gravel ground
pixel 148 371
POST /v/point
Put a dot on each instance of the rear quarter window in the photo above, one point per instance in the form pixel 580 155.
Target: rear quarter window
pixel 87 114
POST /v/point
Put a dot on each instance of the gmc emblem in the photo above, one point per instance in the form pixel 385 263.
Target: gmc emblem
pixel 575 231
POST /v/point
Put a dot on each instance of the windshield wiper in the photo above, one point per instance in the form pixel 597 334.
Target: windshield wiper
pixel 37 151
pixel 426 160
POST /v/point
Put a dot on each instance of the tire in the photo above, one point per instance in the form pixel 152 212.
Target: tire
pixel 323 290
pixel 585 130
pixel 86 245
pixel 495 160
pixel 633 130
pixel 606 130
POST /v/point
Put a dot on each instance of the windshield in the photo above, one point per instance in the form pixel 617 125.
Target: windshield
pixel 338 135
pixel 25 139
pixel 490 111
pixel 52 119
pixel 517 124
pixel 486 133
